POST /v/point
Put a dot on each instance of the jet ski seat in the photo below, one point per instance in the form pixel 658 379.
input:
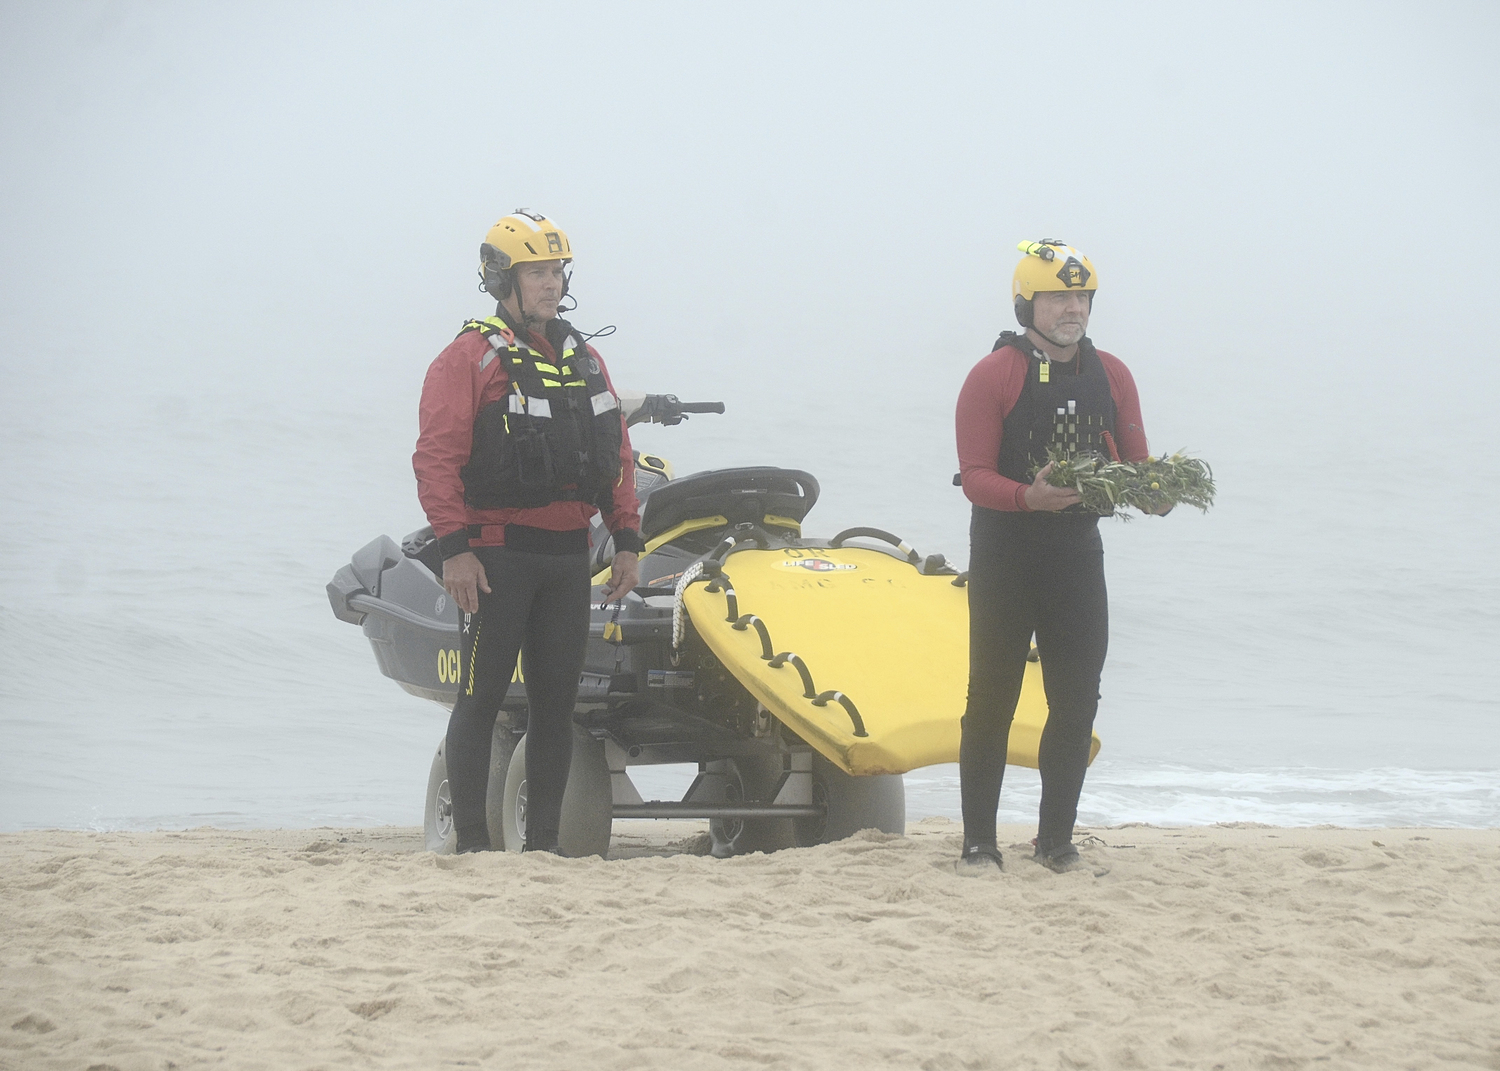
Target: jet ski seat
pixel 739 495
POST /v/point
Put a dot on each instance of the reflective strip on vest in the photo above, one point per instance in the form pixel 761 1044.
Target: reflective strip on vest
pixel 498 341
pixel 537 407
pixel 604 401
pixel 542 366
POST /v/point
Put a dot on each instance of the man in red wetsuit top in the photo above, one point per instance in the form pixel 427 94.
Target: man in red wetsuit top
pixel 1036 563
pixel 522 442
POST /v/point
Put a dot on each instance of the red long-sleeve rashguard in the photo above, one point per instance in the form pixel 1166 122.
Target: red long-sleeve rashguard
pixel 458 385
pixel 988 396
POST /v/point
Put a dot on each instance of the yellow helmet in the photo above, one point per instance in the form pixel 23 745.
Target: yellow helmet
pixel 1049 265
pixel 522 236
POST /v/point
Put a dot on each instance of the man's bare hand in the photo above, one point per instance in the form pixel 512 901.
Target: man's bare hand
pixel 463 579
pixel 1042 496
pixel 624 575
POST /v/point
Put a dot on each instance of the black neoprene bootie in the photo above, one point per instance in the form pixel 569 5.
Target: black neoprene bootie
pixel 1063 858
pixel 979 860
pixel 1060 858
pixel 473 840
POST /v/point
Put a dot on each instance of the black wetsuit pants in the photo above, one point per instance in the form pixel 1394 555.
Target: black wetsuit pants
pixel 538 604
pixel 1042 574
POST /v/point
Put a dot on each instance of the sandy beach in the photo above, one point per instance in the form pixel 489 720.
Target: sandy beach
pixel 1221 947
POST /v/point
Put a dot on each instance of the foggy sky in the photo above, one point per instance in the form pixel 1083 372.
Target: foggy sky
pixel 844 182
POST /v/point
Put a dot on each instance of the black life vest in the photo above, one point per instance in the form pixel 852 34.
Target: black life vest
pixel 554 437
pixel 1062 404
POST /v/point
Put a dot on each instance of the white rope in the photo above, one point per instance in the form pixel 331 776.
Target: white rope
pixel 679 623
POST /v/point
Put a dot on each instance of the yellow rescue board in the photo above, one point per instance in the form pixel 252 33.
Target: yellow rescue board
pixel 868 625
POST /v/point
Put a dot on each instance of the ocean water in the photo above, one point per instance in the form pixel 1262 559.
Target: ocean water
pixel 1310 651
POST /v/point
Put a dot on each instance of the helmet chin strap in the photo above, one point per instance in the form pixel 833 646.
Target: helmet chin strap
pixel 515 288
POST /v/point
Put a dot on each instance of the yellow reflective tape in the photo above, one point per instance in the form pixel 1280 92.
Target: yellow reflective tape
pixel 574 383
pixel 566 370
pixel 542 366
pixel 550 382
pixel 468 670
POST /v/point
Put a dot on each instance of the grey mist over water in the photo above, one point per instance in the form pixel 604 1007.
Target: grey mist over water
pixel 236 236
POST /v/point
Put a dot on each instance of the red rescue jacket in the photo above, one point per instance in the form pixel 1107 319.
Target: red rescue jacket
pixel 455 389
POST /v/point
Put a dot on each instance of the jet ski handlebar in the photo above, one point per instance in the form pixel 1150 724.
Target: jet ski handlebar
pixel 661 408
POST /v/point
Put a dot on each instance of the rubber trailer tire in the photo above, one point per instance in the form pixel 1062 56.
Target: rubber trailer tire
pixel 752 778
pixel 587 807
pixel 853 804
pixel 438 834
pixel 502 748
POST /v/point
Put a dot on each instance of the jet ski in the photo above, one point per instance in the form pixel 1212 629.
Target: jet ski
pixel 802 675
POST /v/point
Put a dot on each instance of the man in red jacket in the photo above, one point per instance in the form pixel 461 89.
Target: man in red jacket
pixel 522 442
pixel 1036 563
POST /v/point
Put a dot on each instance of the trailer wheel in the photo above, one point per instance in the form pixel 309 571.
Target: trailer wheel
pixel 588 801
pixel 748 778
pixel 437 823
pixel 851 804
pixel 502 748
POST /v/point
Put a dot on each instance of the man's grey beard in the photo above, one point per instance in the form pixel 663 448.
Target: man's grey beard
pixel 1066 334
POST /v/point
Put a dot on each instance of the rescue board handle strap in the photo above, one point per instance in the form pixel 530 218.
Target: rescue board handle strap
pixel 848 704
pixel 881 534
pixel 745 622
pixel 809 692
pixel 721 582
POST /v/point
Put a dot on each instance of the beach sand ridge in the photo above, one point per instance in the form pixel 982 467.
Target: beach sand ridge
pixel 1204 948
